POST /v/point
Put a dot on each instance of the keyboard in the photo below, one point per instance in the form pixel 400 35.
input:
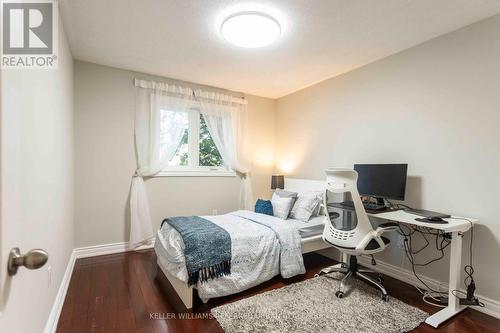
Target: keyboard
pixel 367 205
pixel 427 213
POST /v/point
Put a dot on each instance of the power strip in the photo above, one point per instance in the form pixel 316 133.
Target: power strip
pixel 473 301
pixel 463 301
pixel 443 300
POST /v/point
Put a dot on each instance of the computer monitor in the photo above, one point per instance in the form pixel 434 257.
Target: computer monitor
pixel 382 180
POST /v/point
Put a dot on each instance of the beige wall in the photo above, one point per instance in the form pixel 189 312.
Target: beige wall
pixel 436 107
pixel 105 160
pixel 37 186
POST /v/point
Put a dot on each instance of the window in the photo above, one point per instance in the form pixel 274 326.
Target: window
pixel 196 153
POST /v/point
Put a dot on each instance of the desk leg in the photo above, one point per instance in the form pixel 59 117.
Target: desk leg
pixel 454 306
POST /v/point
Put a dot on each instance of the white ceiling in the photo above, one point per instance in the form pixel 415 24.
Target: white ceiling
pixel 320 38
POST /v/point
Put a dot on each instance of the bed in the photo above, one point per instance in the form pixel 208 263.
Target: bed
pixel 257 252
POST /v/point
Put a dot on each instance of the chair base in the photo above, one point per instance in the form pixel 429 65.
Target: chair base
pixel 352 270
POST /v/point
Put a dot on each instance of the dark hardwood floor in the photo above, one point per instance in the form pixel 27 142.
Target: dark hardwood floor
pixel 119 293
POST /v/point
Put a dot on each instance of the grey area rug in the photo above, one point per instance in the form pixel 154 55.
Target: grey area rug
pixel 311 306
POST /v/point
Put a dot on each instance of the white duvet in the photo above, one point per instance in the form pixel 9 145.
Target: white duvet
pixel 262 247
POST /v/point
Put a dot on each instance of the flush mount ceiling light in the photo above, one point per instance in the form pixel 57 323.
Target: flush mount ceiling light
pixel 250 29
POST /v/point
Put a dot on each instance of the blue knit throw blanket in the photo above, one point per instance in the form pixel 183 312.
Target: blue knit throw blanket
pixel 207 247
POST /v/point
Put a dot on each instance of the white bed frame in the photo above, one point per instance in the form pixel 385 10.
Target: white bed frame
pixel 309 244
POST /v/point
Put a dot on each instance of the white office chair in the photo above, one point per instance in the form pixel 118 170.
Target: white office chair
pixel 349 229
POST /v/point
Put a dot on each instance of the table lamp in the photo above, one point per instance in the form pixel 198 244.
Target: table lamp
pixel 277 181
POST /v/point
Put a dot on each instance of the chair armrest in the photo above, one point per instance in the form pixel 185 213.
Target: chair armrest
pixel 364 242
pixel 386 227
pixel 388 224
pixel 372 235
pixel 376 235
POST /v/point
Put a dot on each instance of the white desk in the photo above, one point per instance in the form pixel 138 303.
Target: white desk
pixel 456 228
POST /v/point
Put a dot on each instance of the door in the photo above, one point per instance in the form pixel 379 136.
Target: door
pixel 36 187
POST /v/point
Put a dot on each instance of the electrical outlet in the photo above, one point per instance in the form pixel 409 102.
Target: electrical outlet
pixel 214 211
pixel 447 236
pixel 49 276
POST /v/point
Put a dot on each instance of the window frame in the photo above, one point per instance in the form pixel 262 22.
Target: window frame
pixel 193 169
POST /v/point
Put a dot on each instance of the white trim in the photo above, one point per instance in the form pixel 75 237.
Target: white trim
pixel 55 312
pixel 194 140
pixel 100 250
pixel 78 253
pixel 196 173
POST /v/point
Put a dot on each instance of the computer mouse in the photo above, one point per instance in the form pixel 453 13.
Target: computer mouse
pixel 431 219
pixel 434 219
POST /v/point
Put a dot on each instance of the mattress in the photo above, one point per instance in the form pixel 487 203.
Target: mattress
pixel 173 247
pixel 318 220
pixel 313 227
pixel 255 252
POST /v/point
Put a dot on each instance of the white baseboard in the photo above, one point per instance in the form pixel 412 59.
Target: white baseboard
pixel 403 274
pixel 55 312
pixel 100 250
pixel 79 253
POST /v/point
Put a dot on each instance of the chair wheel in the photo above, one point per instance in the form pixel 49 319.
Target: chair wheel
pixel 380 280
pixel 339 294
pixel 385 298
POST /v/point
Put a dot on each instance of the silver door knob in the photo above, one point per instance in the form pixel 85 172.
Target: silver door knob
pixel 33 259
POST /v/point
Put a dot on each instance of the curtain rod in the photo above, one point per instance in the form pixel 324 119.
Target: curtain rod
pixel 176 89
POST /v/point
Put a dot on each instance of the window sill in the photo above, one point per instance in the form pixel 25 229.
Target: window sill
pixel 196 173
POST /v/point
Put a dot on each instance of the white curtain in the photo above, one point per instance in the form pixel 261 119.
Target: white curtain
pixel 156 142
pixel 226 119
pixel 161 117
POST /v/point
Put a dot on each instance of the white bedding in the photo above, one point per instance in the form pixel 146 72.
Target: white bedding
pixel 256 248
pixel 297 224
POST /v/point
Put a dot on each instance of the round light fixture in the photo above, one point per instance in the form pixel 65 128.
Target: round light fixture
pixel 250 29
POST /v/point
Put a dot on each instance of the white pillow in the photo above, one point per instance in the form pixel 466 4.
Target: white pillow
pixel 281 206
pixel 305 206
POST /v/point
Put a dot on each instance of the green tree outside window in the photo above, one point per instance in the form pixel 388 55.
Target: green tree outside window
pixel 209 154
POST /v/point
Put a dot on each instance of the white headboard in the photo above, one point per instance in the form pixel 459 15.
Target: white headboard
pixel 305 185
pixel 302 185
